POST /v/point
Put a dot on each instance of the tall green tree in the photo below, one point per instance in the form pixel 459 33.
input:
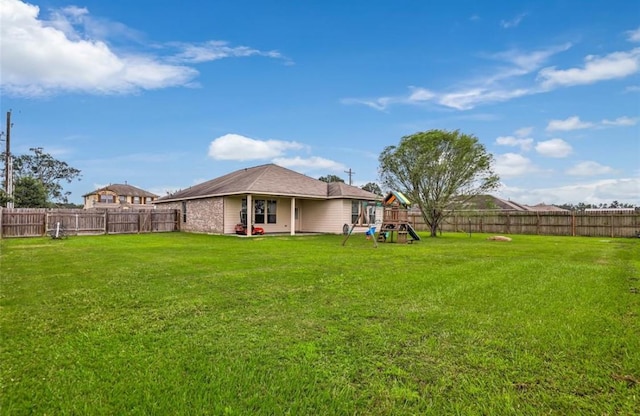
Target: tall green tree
pixel 330 178
pixel 372 187
pixel 437 170
pixel 47 170
pixel 4 198
pixel 29 193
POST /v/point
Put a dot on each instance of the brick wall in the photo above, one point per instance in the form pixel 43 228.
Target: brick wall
pixel 203 215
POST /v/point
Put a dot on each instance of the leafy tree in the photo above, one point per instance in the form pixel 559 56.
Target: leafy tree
pixel 29 193
pixel 438 169
pixel 46 169
pixel 4 198
pixel 331 178
pixel 581 206
pixel 372 187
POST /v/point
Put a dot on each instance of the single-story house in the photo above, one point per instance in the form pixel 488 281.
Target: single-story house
pixel 279 200
pixel 119 196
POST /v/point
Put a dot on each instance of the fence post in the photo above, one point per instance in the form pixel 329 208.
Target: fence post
pixel 106 221
pixel 573 223
pixel 612 227
pixel 45 220
pixel 508 223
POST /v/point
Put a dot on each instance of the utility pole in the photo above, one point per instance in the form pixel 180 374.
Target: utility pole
pixel 350 172
pixel 8 165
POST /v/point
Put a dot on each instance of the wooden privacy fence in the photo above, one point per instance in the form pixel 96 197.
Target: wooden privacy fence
pixel 591 224
pixel 35 222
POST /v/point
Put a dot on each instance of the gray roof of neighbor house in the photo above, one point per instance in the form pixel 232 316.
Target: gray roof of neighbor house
pixel 269 179
pixel 490 202
pixel 123 189
pixel 544 207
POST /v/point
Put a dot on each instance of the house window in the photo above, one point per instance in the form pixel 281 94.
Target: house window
pixel 123 199
pixel 355 211
pixel 264 209
pixel 271 211
pixel 136 199
pixel 372 214
pixel 107 199
pixel 184 211
pixel 259 211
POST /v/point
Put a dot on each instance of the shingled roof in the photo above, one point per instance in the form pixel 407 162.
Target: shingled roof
pixel 269 179
pixel 123 189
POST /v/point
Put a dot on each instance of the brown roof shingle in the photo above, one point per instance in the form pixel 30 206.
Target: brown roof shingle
pixel 269 179
pixel 123 189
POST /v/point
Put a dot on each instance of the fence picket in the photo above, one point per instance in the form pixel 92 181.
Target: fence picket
pixel 594 224
pixel 36 222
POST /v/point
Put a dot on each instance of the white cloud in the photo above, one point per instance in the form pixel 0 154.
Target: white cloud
pixel 215 49
pixel 310 164
pixel 612 66
pixel 509 80
pixel 39 59
pixel 572 123
pixel 621 121
pixel 76 23
pixel 513 22
pixel 488 89
pixel 524 144
pixel 69 52
pixel 524 131
pixel 241 148
pixel 625 190
pixel 557 148
pixel 633 35
pixel 468 99
pixel 513 164
pixel 380 104
pixel 589 168
pixel 421 94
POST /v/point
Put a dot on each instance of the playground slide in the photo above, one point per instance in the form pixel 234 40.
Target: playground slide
pixel 413 232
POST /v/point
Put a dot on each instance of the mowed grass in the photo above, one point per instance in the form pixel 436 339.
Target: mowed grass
pixel 195 324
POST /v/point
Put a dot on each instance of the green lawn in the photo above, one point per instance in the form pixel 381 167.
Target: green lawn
pixel 194 324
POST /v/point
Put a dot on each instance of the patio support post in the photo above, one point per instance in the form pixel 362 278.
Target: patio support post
pixel 293 216
pixel 249 214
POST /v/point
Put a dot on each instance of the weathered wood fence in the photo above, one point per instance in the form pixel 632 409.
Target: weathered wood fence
pixel 36 222
pixel 593 224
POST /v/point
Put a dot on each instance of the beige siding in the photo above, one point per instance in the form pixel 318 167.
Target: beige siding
pixel 323 216
pixel 232 206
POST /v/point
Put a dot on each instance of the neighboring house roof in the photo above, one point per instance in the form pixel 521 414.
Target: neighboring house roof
pixel 544 207
pixel 490 202
pixel 125 189
pixel 269 179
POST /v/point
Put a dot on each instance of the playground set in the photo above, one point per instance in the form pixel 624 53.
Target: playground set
pixel 394 225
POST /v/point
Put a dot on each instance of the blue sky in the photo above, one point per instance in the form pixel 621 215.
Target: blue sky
pixel 166 94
